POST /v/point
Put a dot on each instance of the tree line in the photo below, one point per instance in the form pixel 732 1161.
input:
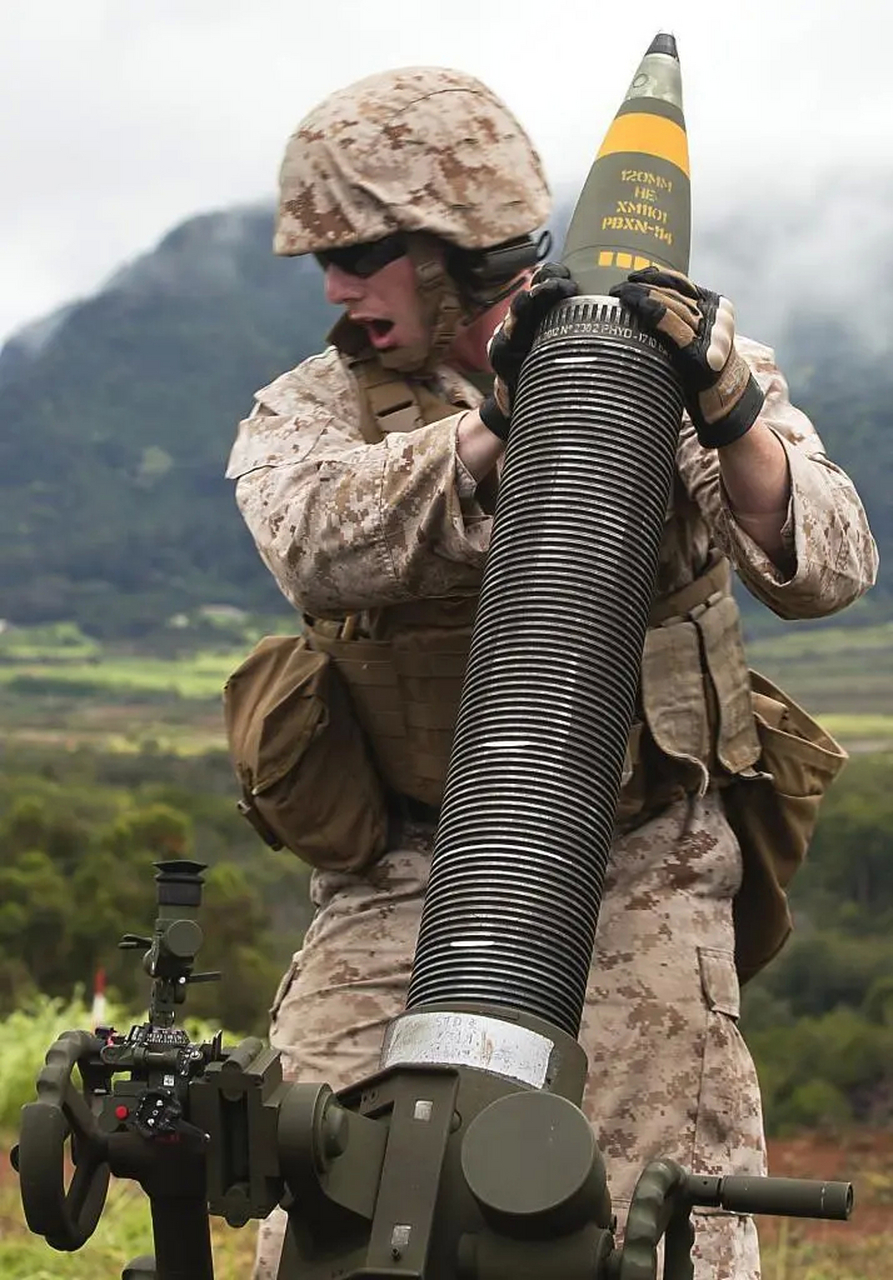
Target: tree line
pixel 80 833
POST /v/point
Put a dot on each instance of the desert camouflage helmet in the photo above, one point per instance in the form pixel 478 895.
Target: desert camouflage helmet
pixel 417 149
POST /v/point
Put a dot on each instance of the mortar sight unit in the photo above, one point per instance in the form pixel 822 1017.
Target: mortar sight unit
pixel 444 1172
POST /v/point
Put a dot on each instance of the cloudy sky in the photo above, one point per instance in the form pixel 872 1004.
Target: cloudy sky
pixel 119 118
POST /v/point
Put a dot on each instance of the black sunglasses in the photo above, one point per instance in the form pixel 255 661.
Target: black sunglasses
pixel 364 259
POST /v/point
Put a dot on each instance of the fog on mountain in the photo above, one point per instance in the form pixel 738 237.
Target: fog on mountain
pixel 118 411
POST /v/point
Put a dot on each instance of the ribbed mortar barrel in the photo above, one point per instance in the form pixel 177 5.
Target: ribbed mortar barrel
pixel 550 689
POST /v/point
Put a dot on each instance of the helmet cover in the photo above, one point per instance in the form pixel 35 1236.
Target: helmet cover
pixel 418 149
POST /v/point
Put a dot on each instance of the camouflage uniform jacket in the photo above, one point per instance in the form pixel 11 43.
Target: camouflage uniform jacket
pixel 344 525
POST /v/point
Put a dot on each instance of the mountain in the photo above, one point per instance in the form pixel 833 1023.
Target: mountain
pixel 116 423
pixel 117 414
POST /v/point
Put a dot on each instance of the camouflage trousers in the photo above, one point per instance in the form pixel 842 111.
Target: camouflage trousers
pixel 669 1073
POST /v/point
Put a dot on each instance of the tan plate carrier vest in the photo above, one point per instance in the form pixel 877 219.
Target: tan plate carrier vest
pixel 702 717
pixel 404 664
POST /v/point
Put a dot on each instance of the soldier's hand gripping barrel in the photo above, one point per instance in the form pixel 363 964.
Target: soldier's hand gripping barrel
pixel 550 689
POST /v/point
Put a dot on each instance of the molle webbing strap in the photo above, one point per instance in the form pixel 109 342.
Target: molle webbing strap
pixel 390 402
pixel 438 296
pixel 406 697
pixel 387 399
pixel 406 684
pixel 369 673
pixel 714 580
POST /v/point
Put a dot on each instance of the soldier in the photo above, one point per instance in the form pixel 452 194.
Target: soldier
pixel 367 478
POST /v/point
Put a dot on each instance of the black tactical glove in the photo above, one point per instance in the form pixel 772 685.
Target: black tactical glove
pixel 512 340
pixel 697 328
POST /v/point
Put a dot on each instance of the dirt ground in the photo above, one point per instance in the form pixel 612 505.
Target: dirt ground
pixel 794 1249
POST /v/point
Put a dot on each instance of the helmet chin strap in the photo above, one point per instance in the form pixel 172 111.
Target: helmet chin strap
pixel 447 304
pixel 441 308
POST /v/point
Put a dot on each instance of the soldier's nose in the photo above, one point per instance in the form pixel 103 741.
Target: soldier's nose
pixel 341 286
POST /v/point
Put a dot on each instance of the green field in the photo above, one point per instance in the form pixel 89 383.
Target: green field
pixel 842 675
pixel 197 677
pixel 116 701
pixel 839 671
pixel 82 694
pixel 124 1232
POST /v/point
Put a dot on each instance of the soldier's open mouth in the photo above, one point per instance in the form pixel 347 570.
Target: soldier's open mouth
pixel 380 333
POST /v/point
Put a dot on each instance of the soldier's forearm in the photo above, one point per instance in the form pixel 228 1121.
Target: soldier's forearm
pixel 757 482
pixel 477 446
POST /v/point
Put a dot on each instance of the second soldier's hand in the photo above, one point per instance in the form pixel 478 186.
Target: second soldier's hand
pixel 477 446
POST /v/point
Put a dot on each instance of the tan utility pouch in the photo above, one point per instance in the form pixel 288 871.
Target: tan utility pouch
pixel 308 782
pixel 773 810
